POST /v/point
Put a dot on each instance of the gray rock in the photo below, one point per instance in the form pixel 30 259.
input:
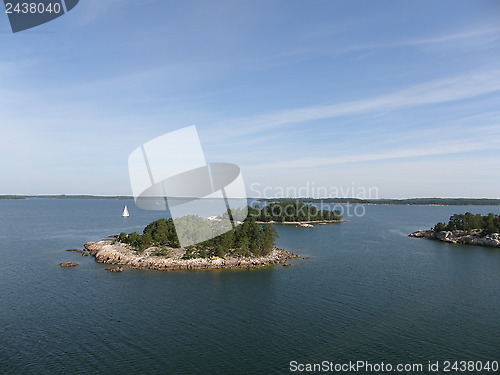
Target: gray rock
pixel 122 255
pixel 473 238
pixel 68 264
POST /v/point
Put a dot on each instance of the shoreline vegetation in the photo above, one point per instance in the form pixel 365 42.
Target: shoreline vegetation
pixel 402 202
pixel 466 229
pixel 295 213
pixel 352 201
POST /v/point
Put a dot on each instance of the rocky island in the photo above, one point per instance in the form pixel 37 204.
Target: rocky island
pixel 248 244
pixel 295 213
pixel 120 254
pixel 466 229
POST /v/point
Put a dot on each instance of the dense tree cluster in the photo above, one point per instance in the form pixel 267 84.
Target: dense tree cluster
pixel 247 239
pixel 160 233
pixel 488 223
pixel 293 211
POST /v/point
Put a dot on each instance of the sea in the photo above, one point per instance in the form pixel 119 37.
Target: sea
pixel 361 292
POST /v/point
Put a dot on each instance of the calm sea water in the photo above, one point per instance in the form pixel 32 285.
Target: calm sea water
pixel 369 293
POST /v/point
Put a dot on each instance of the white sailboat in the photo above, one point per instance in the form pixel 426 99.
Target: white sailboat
pixel 125 212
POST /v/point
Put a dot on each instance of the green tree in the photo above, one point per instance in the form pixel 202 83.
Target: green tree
pixel 268 236
pixel 243 247
pixel 439 227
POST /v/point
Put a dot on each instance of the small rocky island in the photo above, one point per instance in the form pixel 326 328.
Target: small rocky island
pixel 295 213
pixel 467 229
pixel 250 244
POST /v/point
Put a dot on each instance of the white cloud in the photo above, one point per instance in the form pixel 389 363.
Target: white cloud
pixel 479 37
pixel 434 92
pixel 429 144
pixel 467 175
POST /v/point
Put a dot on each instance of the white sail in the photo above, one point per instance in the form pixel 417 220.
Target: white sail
pixel 125 212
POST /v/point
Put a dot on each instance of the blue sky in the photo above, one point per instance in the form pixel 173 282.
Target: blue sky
pixel 398 95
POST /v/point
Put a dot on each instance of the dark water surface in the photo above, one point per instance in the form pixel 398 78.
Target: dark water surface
pixel 369 293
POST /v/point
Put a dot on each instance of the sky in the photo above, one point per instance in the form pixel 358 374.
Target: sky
pixel 375 99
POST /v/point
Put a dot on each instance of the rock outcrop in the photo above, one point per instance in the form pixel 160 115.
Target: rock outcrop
pixel 83 252
pixel 68 264
pixel 110 252
pixel 76 250
pixel 462 237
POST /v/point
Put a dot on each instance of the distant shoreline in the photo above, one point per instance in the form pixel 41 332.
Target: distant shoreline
pixel 399 202
pixel 96 197
pixel 352 201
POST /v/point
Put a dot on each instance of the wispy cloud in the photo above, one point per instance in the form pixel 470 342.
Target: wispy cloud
pixel 434 92
pixel 436 149
pixel 482 33
pixel 480 37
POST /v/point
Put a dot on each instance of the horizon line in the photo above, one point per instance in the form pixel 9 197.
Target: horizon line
pixel 255 198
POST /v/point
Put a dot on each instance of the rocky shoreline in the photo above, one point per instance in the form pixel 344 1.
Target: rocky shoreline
pixel 461 237
pixel 116 253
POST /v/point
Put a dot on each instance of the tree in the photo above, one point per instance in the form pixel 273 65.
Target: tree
pixel 294 211
pixel 248 238
pixel 268 236
pixel 439 227
pixel 468 222
pixel 491 223
pixel 242 247
pixel 133 239
pixel 145 241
